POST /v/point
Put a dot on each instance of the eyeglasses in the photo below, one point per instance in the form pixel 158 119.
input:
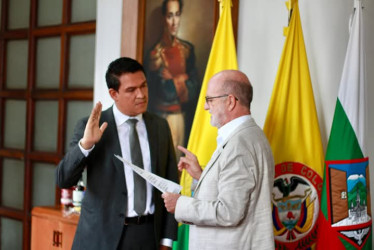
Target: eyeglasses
pixel 210 98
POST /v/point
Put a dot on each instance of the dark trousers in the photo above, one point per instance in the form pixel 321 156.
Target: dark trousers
pixel 138 237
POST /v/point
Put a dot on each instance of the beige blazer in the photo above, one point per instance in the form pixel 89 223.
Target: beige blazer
pixel 231 207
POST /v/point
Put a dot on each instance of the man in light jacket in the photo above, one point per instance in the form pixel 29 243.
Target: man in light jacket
pixel 231 206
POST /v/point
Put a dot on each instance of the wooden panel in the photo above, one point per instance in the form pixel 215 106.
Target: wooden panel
pixel 68 235
pixel 42 232
pixel 339 195
pixel 130 27
pixel 51 229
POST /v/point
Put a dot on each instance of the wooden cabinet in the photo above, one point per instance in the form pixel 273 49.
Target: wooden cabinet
pixel 51 228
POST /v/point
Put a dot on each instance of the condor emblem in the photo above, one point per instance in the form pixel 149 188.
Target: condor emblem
pixel 296 201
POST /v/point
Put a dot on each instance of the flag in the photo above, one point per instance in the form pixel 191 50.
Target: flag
pixel 292 129
pixel 202 140
pixel 345 218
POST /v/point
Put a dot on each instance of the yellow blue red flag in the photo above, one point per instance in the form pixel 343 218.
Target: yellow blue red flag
pixel 292 129
pixel 202 140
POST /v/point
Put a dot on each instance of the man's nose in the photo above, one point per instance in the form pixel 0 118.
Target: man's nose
pixel 139 92
pixel 174 22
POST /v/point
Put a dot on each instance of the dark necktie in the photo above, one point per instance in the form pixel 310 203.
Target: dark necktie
pixel 140 192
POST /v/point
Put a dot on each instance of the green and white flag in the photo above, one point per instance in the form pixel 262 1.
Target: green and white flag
pixel 345 218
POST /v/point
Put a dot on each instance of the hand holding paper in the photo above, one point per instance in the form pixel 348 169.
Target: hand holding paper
pixel 170 201
pixel 158 182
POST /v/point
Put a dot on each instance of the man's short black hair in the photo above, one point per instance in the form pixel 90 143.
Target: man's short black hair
pixel 165 2
pixel 119 67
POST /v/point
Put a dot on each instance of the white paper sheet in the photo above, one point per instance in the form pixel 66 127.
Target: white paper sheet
pixel 158 182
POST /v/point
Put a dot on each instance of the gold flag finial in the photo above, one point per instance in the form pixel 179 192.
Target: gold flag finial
pixel 222 4
pixel 289 6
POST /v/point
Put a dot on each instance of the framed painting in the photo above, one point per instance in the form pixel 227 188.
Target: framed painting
pixel 172 38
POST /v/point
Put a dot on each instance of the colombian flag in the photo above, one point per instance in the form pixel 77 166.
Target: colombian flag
pixel 292 129
pixel 202 141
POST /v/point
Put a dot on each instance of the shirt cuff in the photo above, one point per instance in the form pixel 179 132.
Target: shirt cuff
pixel 193 186
pixel 167 242
pixel 85 152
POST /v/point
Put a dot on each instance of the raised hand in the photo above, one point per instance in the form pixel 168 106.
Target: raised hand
pixel 190 163
pixel 93 132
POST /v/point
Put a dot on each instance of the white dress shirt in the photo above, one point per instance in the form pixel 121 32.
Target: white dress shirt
pixel 225 131
pixel 123 135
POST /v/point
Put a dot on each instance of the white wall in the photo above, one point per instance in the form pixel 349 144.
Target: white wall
pixel 325 29
pixel 260 43
pixel 108 45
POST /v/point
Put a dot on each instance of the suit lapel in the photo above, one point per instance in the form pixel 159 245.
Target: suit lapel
pixel 219 150
pixel 210 164
pixel 112 134
pixel 152 139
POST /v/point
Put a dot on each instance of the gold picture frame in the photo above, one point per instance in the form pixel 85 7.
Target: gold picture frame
pixel 143 25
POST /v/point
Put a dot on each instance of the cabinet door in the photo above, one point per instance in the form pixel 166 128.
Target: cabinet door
pixel 45 233
pixel 51 234
pixel 68 232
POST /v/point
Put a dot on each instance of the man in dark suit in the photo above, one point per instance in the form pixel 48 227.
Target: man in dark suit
pixel 108 219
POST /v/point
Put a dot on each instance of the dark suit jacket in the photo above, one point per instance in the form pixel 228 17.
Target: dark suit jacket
pixel 105 200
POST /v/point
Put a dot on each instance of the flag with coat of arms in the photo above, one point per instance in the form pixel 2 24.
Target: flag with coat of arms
pixel 345 218
pixel 292 129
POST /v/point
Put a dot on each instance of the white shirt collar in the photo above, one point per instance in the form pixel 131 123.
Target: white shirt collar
pixel 228 128
pixel 120 117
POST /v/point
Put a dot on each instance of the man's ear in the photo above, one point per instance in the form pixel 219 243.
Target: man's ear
pixel 232 102
pixel 113 93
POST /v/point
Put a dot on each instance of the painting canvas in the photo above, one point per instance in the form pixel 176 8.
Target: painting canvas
pixel 177 41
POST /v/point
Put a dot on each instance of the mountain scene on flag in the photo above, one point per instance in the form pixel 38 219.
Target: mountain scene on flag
pixel 345 219
pixel 292 129
pixel 203 136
